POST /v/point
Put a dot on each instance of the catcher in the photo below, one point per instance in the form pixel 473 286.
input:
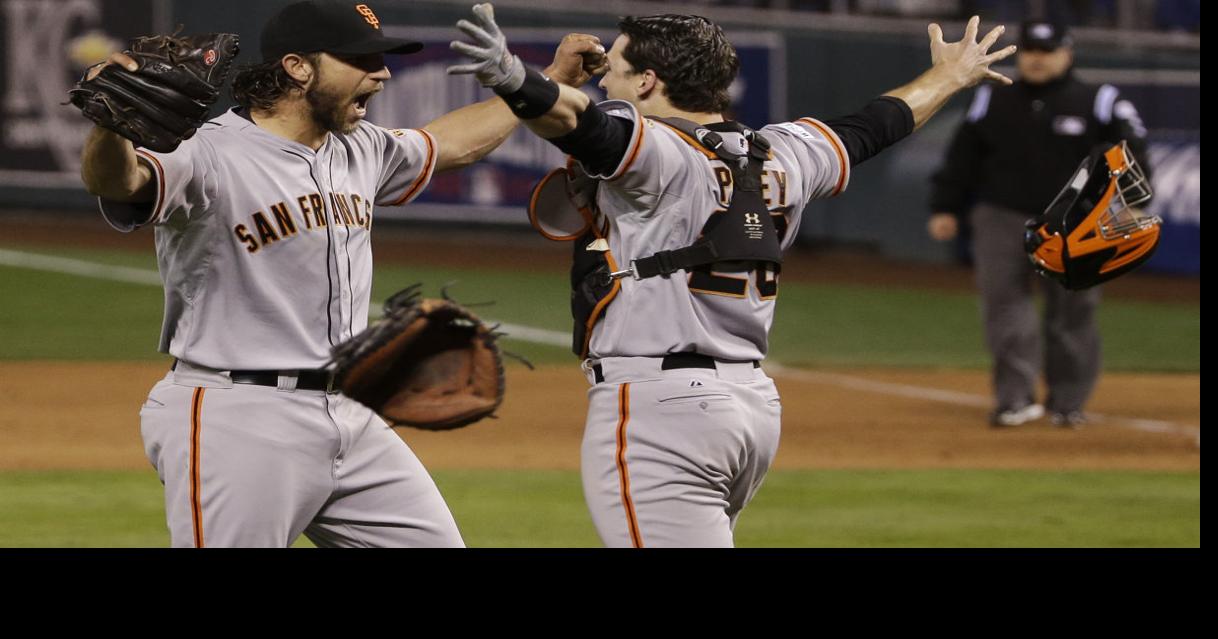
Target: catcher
pixel 262 219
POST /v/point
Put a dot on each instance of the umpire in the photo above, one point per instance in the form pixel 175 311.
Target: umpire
pixel 1012 154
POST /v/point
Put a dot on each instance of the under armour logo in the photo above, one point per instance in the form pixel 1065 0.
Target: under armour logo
pixel 752 218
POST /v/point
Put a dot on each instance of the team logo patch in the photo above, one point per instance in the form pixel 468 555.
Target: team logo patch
pixel 209 58
pixel 398 132
pixel 369 16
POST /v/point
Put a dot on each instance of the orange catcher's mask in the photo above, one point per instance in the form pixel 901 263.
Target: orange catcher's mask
pixel 1094 231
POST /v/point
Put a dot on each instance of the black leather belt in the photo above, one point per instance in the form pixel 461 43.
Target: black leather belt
pixel 681 360
pixel 314 380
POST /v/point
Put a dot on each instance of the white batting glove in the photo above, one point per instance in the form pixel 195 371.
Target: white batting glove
pixel 494 66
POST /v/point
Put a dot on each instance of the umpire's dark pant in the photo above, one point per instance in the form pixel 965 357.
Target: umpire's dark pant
pixel 1070 351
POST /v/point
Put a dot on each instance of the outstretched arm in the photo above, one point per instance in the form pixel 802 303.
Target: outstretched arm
pixel 469 133
pixel 466 135
pixel 549 108
pixel 954 66
pixel 891 117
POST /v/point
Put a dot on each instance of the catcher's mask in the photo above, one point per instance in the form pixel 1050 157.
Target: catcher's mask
pixel 1093 232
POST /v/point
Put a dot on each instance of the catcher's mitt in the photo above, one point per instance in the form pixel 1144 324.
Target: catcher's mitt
pixel 428 363
pixel 167 97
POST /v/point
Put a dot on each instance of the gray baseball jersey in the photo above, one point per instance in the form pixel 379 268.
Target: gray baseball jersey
pixel 263 246
pixel 661 195
pixel 673 451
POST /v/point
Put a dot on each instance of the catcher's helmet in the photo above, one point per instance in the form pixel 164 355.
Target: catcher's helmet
pixel 1092 231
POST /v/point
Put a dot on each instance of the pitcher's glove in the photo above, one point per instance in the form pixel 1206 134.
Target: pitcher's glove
pixel 167 97
pixel 429 363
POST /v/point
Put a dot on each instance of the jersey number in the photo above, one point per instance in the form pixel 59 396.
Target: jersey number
pixel 710 283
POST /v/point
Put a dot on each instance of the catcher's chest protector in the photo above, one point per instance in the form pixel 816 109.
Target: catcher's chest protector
pixel 741 238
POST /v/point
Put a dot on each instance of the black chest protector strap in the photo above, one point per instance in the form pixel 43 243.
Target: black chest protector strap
pixel 743 237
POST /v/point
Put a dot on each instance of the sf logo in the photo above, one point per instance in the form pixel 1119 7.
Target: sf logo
pixel 366 11
pixel 752 218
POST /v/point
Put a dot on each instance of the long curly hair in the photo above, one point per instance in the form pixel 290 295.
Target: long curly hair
pixel 689 53
pixel 261 85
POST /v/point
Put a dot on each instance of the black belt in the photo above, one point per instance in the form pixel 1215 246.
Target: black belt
pixel 681 360
pixel 314 380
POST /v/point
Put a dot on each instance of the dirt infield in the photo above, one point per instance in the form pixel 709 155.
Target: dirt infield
pixel 67 415
pixel 85 414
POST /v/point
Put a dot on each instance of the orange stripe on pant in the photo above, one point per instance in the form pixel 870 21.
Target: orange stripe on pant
pixel 623 411
pixel 196 482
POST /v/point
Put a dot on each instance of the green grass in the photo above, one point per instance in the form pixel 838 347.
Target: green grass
pixel 824 508
pixel 975 508
pixel 52 316
pixel 69 509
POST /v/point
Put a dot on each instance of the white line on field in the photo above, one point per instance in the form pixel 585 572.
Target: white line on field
pixel 559 338
pixel 82 268
pixel 965 399
pixel 537 335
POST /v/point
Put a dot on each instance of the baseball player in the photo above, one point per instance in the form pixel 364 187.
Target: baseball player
pixel 692 212
pixel 262 224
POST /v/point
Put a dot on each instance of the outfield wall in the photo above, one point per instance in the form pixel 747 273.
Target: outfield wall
pixel 794 64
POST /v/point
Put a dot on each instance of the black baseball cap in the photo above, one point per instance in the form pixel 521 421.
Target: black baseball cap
pixel 343 28
pixel 1039 35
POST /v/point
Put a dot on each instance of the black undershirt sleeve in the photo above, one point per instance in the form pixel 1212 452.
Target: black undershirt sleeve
pixel 881 123
pixel 599 140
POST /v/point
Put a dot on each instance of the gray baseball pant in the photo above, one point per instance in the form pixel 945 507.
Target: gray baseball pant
pixel 255 466
pixel 671 457
pixel 1070 350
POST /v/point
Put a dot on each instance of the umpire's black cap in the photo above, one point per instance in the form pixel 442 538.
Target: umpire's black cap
pixel 343 28
pixel 1040 35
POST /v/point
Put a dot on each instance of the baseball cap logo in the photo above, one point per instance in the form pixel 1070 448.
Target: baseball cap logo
pixel 209 58
pixel 369 16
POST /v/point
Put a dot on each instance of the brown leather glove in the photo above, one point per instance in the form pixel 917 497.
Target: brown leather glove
pixel 429 363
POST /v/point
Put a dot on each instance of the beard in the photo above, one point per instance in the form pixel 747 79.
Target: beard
pixel 329 110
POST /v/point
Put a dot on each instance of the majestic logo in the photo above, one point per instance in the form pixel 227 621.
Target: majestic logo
pixel 209 58
pixel 369 16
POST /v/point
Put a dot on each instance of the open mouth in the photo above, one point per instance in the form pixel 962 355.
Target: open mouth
pixel 361 102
